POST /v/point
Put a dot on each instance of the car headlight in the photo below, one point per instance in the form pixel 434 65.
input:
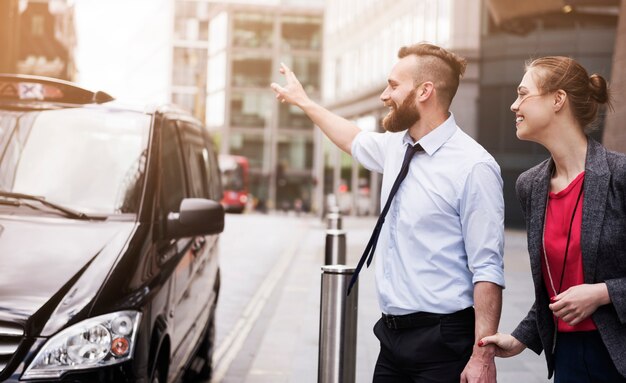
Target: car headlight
pixel 95 342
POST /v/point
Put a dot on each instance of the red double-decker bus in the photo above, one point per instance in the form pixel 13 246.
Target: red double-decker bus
pixel 234 171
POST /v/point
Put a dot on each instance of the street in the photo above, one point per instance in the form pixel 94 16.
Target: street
pixel 268 312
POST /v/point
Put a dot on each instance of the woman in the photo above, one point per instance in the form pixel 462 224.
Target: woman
pixel 575 209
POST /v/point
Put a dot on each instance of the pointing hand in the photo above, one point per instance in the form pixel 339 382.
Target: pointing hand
pixel 292 92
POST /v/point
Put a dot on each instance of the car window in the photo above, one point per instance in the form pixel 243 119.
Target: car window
pixel 172 169
pixel 91 160
pixel 215 185
pixel 197 155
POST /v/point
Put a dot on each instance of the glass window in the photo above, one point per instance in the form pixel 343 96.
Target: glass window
pixel 189 66
pixel 217 72
pixel 443 23
pixel 295 152
pixel 418 22
pixel 203 30
pixel 218 27
pixel 185 101
pixel 301 32
pixel 252 30
pixel 180 28
pixel 192 29
pixel 189 9
pixel 191 22
pixel 250 146
pixel 233 173
pixel 215 110
pixel 251 70
pixel 307 69
pixel 37 25
pixel 250 109
pixel 330 70
pixel 91 161
pixel 292 117
pixel 215 184
pixel 197 156
pixel 172 170
pixel 430 28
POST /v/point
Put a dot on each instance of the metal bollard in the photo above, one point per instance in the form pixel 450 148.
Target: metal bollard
pixel 338 325
pixel 335 250
pixel 333 220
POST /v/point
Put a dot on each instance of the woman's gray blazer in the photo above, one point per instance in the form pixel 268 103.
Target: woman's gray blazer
pixel 603 244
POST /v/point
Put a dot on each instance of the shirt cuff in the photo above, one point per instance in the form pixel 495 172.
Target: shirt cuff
pixel 495 275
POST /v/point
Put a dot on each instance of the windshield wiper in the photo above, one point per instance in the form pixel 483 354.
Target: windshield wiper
pixel 65 210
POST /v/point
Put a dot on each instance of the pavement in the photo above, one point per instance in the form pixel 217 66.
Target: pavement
pixel 280 344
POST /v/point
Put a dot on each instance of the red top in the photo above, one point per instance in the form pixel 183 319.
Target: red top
pixel 558 216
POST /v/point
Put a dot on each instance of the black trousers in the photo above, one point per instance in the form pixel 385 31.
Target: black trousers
pixel 435 349
pixel 581 357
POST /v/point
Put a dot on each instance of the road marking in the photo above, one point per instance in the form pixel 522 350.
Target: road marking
pixel 232 344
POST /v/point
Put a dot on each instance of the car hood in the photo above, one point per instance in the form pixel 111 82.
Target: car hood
pixel 41 255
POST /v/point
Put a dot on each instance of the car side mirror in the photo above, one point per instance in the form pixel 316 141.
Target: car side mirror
pixel 198 216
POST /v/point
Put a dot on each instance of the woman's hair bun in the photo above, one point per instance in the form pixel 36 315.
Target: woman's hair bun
pixel 599 88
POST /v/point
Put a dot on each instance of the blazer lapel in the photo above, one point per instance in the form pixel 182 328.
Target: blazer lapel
pixel 596 187
pixel 539 195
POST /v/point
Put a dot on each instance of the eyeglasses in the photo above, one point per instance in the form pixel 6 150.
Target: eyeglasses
pixel 520 99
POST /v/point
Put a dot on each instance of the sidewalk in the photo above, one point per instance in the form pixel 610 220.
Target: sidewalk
pixel 288 350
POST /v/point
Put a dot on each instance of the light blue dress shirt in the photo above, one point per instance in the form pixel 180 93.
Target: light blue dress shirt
pixel 445 227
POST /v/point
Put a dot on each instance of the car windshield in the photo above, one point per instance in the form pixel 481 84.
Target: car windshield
pixel 86 159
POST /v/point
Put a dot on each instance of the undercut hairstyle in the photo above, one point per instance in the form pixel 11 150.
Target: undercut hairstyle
pixel 442 67
pixel 585 93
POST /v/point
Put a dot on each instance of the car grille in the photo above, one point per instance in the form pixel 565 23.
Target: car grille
pixel 10 338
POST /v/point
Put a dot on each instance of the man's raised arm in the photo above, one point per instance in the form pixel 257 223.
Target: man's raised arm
pixel 340 131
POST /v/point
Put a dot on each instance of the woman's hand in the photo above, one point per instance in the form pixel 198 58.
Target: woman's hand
pixel 506 345
pixel 579 302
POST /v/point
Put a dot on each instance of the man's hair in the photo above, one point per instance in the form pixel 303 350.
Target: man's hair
pixel 438 65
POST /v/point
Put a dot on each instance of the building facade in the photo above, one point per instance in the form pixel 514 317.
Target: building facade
pixel 38 38
pixel 362 38
pixel 247 43
pixel 190 54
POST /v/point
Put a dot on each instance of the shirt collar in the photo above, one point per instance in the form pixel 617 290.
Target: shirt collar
pixel 436 137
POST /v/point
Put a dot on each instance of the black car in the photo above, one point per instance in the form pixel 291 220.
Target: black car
pixel 109 224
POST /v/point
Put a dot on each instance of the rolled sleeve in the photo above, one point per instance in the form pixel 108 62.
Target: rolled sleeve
pixel 482 222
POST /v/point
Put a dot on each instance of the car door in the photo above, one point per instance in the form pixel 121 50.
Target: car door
pixel 198 155
pixel 175 254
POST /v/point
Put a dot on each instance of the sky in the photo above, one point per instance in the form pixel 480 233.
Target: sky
pixel 124 48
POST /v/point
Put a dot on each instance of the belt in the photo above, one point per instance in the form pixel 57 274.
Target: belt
pixel 423 319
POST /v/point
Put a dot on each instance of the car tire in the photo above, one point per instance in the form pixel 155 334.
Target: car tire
pixel 201 367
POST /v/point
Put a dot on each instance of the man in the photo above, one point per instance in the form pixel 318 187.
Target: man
pixel 440 248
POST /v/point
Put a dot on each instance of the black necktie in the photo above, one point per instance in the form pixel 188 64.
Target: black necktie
pixel 371 245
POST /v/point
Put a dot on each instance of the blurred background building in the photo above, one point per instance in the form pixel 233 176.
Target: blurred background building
pixel 247 43
pixel 38 37
pixel 190 54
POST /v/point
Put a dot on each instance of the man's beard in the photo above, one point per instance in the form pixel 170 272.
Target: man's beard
pixel 404 117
